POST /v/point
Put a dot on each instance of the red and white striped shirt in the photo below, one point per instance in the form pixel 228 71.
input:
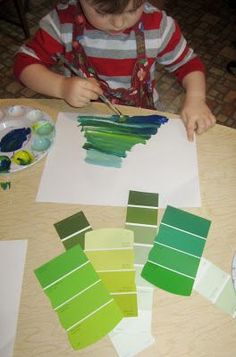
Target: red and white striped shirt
pixel 112 56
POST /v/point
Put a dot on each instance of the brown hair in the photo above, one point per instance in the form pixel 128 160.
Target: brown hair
pixel 114 6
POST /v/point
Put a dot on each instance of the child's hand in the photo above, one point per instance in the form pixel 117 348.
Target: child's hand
pixel 78 92
pixel 196 116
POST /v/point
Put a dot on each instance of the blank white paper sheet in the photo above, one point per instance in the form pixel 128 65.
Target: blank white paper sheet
pixel 12 262
pixel 166 164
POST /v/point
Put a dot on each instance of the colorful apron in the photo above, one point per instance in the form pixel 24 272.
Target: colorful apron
pixel 140 94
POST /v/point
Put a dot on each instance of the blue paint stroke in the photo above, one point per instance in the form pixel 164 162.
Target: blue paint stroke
pixel 116 135
pixel 14 140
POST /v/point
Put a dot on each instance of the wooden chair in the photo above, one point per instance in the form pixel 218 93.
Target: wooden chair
pixel 21 6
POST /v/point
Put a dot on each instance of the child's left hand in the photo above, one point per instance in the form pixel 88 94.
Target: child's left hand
pixel 197 117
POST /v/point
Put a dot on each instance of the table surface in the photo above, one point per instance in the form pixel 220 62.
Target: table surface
pixel 182 326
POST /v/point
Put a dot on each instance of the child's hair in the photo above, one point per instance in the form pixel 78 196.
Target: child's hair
pixel 115 6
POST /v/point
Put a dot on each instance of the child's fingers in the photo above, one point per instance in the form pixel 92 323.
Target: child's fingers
pixel 190 128
pixel 93 85
pixel 204 124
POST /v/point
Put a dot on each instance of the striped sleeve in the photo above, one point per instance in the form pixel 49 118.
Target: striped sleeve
pixel 174 52
pixel 45 44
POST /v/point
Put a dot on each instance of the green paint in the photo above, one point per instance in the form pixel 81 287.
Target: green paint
pixel 180 240
pixel 111 143
pixel 83 305
pixel 111 253
pixel 142 215
pixel 116 135
pixel 79 280
pixel 95 327
pixel 102 159
pixel 83 296
pixel 72 229
pixel 143 235
pixel 174 249
pixel 172 259
pixel 59 266
pixel 186 221
pixel 5 185
pixel 118 281
pixel 143 198
pixel 167 280
pixel 115 259
pixel 109 238
pixel 142 210
pixel 127 305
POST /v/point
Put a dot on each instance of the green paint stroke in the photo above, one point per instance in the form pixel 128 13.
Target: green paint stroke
pixel 5 185
pixel 109 138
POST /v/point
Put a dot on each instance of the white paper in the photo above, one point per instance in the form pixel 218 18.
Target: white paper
pixel 12 260
pixel 166 164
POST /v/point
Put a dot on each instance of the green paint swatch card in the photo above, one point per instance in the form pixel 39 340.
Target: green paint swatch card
pixel 111 252
pixel 173 261
pixel 72 229
pixel 216 286
pixel 141 218
pixel 85 308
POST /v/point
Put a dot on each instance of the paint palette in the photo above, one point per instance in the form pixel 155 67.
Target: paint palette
pixel 26 136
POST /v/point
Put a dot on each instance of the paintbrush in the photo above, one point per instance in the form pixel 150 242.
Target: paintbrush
pixel 80 74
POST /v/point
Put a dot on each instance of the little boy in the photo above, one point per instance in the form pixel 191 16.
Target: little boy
pixel 116 44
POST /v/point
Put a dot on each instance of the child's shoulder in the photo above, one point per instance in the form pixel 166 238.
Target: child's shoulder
pixel 152 15
pixel 64 10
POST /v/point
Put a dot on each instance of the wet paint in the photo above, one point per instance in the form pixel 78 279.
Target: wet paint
pixel 14 139
pixel 5 163
pixel 23 157
pixel 108 139
pixel 5 185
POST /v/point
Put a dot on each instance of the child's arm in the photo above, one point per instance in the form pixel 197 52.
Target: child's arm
pixel 196 115
pixel 179 59
pixel 75 91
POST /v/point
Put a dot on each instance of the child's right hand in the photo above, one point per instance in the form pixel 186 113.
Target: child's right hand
pixel 78 91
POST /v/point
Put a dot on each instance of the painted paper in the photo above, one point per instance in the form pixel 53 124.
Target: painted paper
pixel 108 139
pixel 71 230
pixel 84 307
pixel 110 250
pixel 216 286
pixel 158 166
pixel 174 259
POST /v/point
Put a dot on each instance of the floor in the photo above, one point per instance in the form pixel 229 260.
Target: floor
pixel 209 26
